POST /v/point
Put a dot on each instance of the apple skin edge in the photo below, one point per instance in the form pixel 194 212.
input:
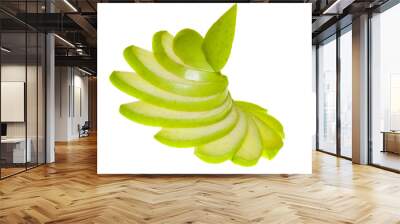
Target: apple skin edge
pixel 250 106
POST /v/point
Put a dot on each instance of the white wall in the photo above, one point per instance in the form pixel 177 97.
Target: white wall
pixel 79 117
pixel 70 83
pixel 62 82
pixel 16 73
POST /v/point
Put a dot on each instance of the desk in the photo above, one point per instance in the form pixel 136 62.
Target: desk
pixel 15 148
pixel 391 141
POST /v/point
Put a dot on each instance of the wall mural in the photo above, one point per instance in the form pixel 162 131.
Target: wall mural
pixel 182 90
pixel 181 86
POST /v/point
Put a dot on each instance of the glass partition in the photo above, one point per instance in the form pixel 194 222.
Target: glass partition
pixel 32 96
pixel 346 93
pixel 13 105
pixel 327 96
pixel 22 77
pixel 385 89
pixel 41 97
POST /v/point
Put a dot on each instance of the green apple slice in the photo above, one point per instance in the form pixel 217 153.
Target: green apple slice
pixel 251 149
pixel 272 142
pixel 271 122
pixel 188 47
pixel 134 85
pixel 189 137
pixel 145 64
pixel 224 148
pixel 153 115
pixel 165 55
pixel 262 114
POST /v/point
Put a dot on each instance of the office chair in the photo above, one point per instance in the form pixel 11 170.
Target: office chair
pixel 84 130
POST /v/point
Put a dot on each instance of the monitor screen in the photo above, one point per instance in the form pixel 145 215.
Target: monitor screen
pixel 3 129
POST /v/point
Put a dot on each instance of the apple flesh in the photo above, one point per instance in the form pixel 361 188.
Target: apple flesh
pixel 190 137
pixel 225 147
pixel 134 85
pixel 269 120
pixel 165 55
pixel 271 140
pixel 262 115
pixel 251 149
pixel 270 130
pixel 153 115
pixel 145 65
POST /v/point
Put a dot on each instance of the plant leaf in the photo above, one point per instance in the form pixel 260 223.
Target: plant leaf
pixel 219 38
pixel 187 46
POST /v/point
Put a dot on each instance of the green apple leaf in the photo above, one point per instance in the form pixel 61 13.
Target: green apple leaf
pixel 187 46
pixel 219 38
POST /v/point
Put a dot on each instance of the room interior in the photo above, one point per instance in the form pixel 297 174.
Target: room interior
pixel 335 86
pixel 24 78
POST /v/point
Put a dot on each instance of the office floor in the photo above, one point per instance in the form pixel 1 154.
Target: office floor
pixel 10 171
pixel 70 191
pixel 14 169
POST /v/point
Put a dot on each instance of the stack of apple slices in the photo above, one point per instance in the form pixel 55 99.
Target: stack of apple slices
pixel 181 89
